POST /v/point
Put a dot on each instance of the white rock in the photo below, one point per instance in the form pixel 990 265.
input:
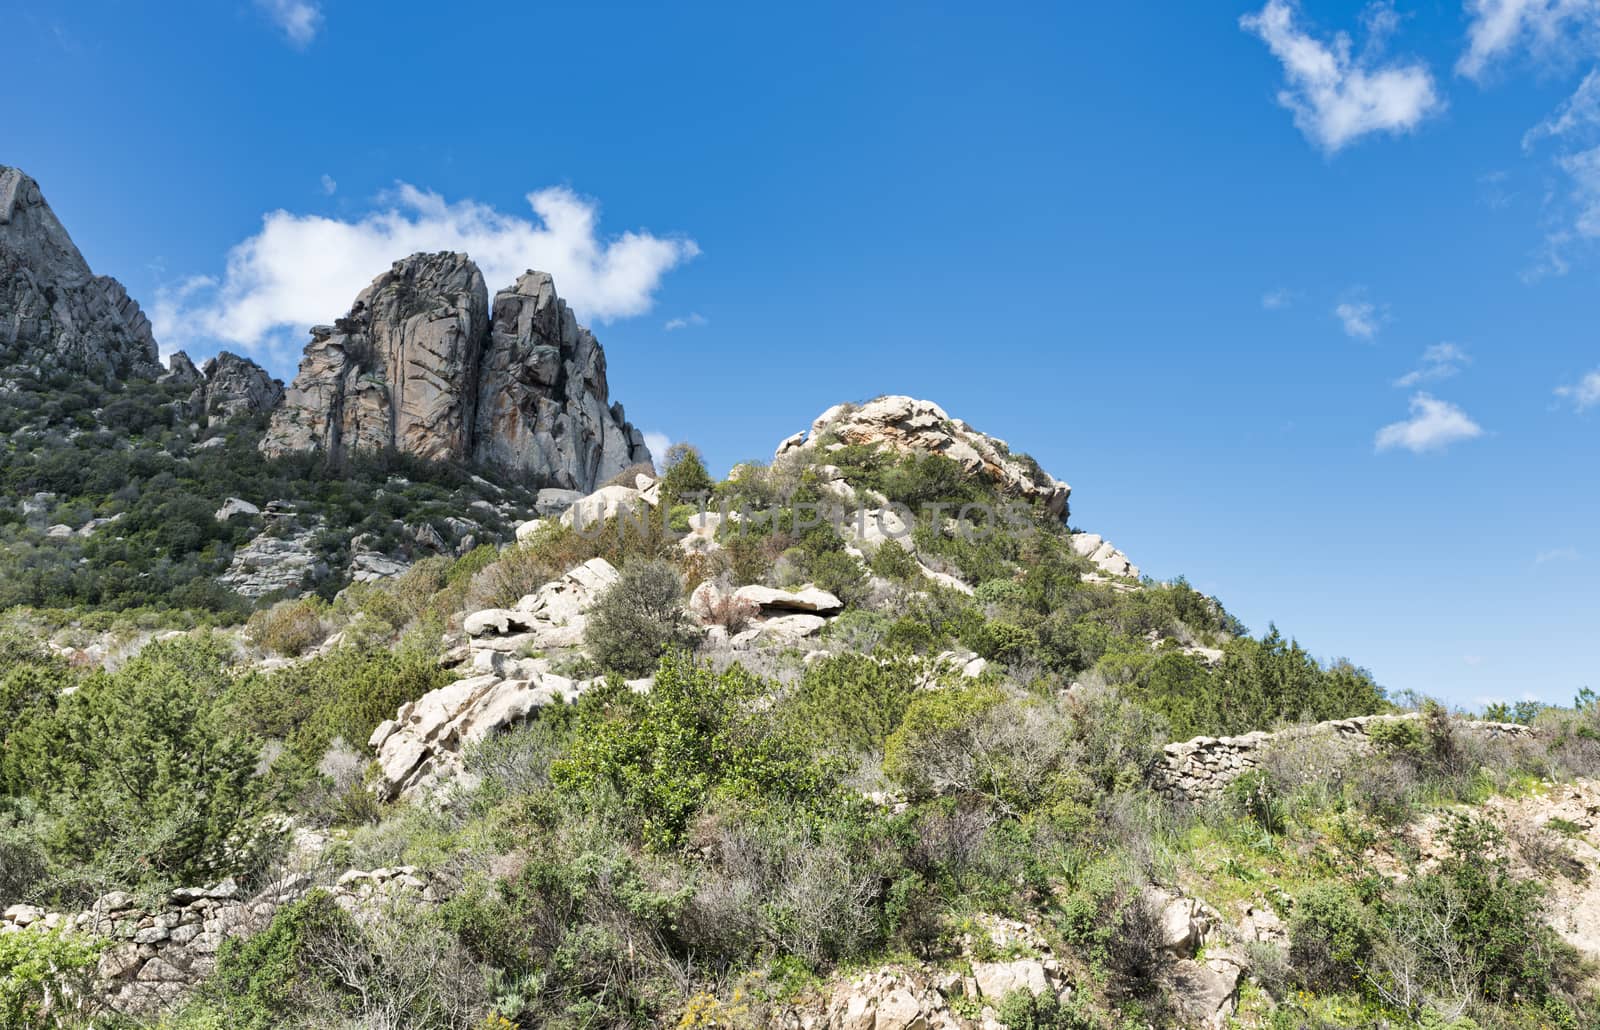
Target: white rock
pixel 236 506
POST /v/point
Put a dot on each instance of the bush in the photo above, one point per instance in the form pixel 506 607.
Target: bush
pixel 288 628
pixel 1330 936
pixel 264 978
pixel 46 978
pixel 685 480
pixel 694 737
pixel 638 619
pixel 852 702
pixel 141 774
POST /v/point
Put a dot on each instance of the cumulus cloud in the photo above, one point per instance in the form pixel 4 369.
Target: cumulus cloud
pixel 658 444
pixel 1546 29
pixel 1585 393
pixel 1434 424
pixel 298 20
pixel 301 270
pixel 694 318
pixel 1556 554
pixel 1277 300
pixel 1337 97
pixel 330 186
pixel 1359 318
pixel 1441 361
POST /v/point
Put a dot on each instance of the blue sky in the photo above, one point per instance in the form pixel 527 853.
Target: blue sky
pixel 1287 293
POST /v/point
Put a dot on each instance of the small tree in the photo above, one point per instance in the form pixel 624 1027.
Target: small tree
pixel 686 478
pixel 638 619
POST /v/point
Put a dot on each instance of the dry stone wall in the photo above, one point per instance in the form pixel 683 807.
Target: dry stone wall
pixel 1200 769
pixel 155 955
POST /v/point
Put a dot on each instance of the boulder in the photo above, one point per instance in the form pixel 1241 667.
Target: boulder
pixel 995 980
pixel 604 503
pixel 807 599
pixel 236 506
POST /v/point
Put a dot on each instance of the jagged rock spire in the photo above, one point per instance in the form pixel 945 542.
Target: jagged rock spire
pixel 419 366
pixel 55 313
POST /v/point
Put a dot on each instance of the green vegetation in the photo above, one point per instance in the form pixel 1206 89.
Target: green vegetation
pixel 638 619
pixel 756 825
pixel 72 451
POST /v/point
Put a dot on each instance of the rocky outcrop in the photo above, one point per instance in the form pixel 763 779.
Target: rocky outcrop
pixel 424 746
pixel 1106 558
pixel 419 366
pixel 555 615
pixel 275 562
pixel 543 405
pixel 230 387
pixel 55 314
pixel 907 425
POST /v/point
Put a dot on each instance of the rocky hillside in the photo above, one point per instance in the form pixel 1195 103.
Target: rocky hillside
pixel 413 697
pixel 423 422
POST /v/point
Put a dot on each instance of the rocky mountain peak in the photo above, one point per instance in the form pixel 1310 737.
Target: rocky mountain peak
pixel 908 425
pixel 421 365
pixel 55 313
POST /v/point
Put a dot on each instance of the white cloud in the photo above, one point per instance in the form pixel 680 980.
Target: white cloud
pixel 1560 554
pixel 1360 318
pixel 330 186
pixel 1277 300
pixel 1585 393
pixel 658 444
pixel 1335 97
pixel 692 319
pixel 1547 29
pixel 298 20
pixel 1433 425
pixel 1576 216
pixel 1441 361
pixel 301 270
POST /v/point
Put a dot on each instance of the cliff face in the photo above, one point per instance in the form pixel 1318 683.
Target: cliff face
pixel 56 315
pixel 419 366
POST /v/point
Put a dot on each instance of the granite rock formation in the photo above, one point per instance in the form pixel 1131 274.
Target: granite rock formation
pixel 229 387
pixel 908 425
pixel 55 314
pixel 419 366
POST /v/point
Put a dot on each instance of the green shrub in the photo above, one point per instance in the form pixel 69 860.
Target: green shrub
pixel 288 628
pixel 46 978
pixel 1256 796
pixel 893 562
pixel 694 737
pixel 341 695
pixel 140 772
pixel 638 619
pixel 852 702
pixel 263 979
pixel 1330 936
pixel 1023 1010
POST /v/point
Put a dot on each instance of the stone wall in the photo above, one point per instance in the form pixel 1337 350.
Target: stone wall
pixel 156 955
pixel 1201 768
